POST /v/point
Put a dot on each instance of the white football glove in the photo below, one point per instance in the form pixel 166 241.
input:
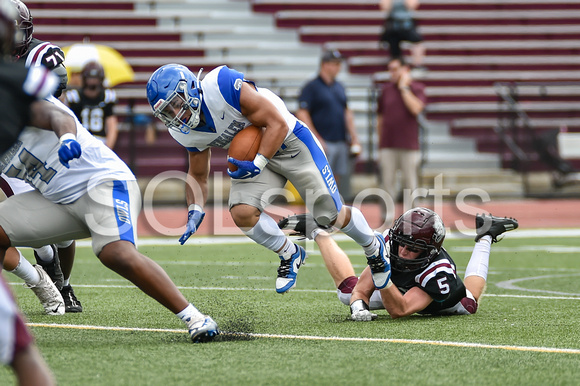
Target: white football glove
pixel 363 316
pixel 359 312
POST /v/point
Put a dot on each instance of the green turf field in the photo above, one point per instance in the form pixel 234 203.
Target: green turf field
pixel 526 331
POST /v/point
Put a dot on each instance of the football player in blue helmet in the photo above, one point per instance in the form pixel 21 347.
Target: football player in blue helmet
pixel 176 87
pixel 207 113
pixel 424 275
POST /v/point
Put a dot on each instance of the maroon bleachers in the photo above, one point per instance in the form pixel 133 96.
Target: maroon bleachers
pixel 470 46
pixel 137 38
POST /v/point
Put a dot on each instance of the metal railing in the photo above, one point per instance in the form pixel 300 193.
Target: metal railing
pixel 517 135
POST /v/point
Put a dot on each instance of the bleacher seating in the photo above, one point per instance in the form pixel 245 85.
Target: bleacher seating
pixel 470 46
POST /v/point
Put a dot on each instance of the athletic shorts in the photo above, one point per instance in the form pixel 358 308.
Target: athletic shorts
pixel 107 213
pixel 14 336
pixel 302 161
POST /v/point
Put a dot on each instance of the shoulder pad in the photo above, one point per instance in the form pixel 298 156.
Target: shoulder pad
pixel 72 96
pixel 110 96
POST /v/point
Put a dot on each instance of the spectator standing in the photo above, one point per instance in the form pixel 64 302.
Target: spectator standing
pixel 93 104
pixel 323 107
pixel 399 103
pixel 400 25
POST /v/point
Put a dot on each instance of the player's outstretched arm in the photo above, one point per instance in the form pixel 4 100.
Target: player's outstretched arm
pixel 196 191
pixel 46 115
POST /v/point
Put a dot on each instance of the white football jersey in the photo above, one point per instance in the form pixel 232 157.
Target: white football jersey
pixel 15 186
pixel 222 113
pixel 34 159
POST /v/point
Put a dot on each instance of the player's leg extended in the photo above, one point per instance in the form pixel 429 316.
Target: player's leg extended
pixel 247 201
pixel 123 258
pixel 477 268
pixel 303 162
pixel 487 228
pixel 111 210
pixel 335 259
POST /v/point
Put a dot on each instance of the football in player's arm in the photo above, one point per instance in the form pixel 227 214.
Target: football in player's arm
pixel 202 114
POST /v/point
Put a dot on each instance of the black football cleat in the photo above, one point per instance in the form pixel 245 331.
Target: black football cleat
pixel 486 224
pixel 71 303
pixel 301 224
pixel 52 268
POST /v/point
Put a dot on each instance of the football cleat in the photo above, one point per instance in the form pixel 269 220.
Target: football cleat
pixel 71 303
pixel 380 264
pixel 52 267
pixel 47 293
pixel 486 224
pixel 288 270
pixel 302 224
pixel 203 329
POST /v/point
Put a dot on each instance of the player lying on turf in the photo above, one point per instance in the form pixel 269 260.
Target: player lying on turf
pixel 424 275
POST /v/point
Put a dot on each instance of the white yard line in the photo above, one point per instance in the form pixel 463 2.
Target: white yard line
pixel 555 350
pixel 235 239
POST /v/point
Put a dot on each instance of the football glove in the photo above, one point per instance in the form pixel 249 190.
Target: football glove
pixel 363 316
pixel 194 219
pixel 247 169
pixel 359 312
pixel 69 149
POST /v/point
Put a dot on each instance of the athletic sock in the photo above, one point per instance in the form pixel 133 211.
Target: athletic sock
pixel 359 230
pixel 348 284
pixel 479 261
pixel 45 253
pixel 288 250
pixel 267 234
pixel 26 271
pixel 189 312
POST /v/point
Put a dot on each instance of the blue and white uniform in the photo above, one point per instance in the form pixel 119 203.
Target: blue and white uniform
pixel 96 197
pixel 300 159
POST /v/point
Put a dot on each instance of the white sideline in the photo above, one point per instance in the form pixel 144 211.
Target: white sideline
pixel 555 350
pixel 235 239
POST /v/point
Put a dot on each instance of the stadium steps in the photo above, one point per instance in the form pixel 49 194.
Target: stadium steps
pixel 470 46
pixel 494 47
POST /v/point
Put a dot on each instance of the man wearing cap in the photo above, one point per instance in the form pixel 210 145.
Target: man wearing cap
pixel 323 107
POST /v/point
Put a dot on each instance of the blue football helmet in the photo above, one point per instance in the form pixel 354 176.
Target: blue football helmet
pixel 175 97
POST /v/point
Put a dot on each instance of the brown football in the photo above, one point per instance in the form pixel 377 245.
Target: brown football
pixel 244 146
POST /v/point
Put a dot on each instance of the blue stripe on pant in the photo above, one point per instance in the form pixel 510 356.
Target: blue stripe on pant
pixel 305 135
pixel 123 211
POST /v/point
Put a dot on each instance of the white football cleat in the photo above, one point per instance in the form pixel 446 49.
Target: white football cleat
pixel 203 329
pixel 380 263
pixel 288 270
pixel 47 293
